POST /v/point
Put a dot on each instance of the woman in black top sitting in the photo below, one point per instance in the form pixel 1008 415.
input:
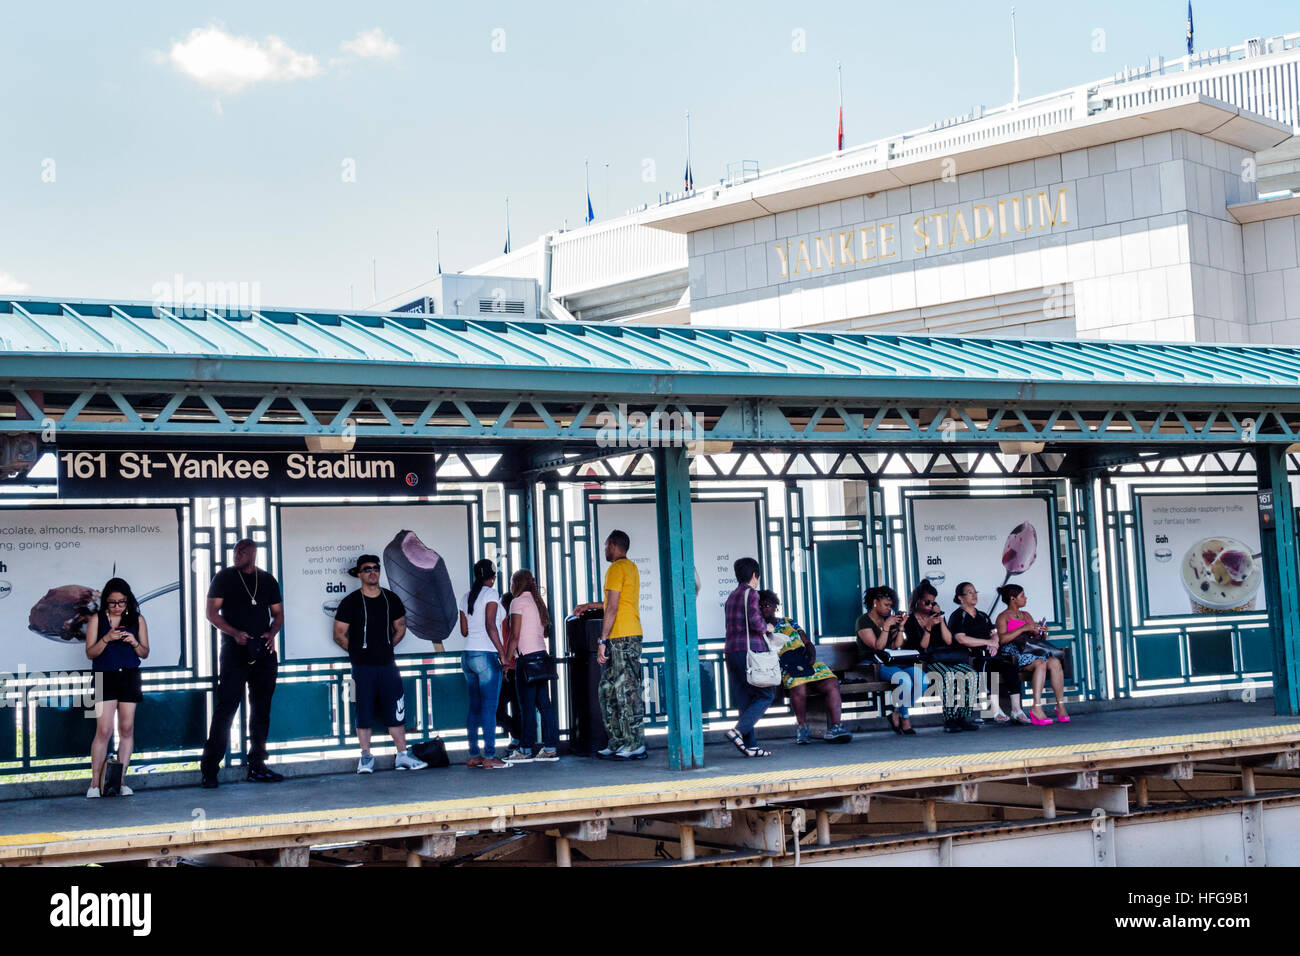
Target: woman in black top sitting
pixel 973 629
pixel 880 629
pixel 958 683
pixel 117 639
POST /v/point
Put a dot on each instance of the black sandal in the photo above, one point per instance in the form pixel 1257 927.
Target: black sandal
pixel 735 737
pixel 756 752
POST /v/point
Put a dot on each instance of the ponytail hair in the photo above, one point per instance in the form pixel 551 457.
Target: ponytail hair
pixel 484 571
pixel 1008 592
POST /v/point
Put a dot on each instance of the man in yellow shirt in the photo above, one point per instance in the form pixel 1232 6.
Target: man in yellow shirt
pixel 622 706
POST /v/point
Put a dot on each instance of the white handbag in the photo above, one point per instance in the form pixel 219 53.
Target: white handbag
pixel 762 668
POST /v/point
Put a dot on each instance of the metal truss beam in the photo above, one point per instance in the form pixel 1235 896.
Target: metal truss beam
pixel 200 409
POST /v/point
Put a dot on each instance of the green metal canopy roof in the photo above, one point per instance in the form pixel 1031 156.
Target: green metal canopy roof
pixel 138 342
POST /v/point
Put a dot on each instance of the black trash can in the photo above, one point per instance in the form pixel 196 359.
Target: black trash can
pixel 586 728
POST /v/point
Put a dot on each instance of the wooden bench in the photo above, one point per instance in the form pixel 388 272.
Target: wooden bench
pixel 861 681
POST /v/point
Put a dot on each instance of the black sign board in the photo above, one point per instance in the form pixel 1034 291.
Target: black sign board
pixel 254 474
pixel 1265 509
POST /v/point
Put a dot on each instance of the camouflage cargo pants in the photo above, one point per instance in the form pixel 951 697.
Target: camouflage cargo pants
pixel 621 705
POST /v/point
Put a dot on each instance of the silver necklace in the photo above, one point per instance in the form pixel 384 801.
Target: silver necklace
pixel 252 596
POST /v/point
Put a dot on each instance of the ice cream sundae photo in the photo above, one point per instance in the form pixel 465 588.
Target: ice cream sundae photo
pixel 1221 574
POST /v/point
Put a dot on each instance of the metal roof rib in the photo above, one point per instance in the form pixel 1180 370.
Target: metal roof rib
pixel 544 338
pixel 643 347
pixel 165 316
pixel 275 328
pixel 29 320
pixel 573 336
pixel 88 326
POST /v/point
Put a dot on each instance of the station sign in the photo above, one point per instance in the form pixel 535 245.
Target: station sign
pixel 157 473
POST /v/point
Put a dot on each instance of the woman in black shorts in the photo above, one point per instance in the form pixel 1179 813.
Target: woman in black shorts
pixel 117 639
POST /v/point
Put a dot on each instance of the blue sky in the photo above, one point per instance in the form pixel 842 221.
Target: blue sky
pixel 211 142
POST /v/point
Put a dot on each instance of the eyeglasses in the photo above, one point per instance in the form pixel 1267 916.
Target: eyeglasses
pixel 369 567
pixel 121 603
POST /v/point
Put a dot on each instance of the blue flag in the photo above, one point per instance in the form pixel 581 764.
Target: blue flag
pixel 1189 27
pixel 590 214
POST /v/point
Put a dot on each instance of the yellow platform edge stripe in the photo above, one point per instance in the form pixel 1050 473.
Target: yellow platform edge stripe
pixel 634 794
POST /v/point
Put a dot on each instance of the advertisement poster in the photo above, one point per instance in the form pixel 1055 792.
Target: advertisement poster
pixel 424 558
pixel 1201 553
pixel 53 563
pixel 989 542
pixel 722 531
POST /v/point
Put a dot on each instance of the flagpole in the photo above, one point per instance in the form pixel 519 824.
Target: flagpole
pixel 507 225
pixel 839 76
pixel 690 177
pixel 437 239
pixel 1015 63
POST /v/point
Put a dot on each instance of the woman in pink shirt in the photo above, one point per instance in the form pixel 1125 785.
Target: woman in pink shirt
pixel 528 624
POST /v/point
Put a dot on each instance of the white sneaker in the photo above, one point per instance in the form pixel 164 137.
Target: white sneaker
pixel 125 791
pixel 366 764
pixel 406 761
pixel 625 753
pixel 92 792
pixel 604 753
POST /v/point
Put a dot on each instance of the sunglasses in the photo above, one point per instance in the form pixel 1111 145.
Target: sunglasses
pixel 368 568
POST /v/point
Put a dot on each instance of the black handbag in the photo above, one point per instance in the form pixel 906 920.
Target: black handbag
pixel 112 782
pixel 1043 649
pixel 433 752
pixel 535 667
pixel 949 654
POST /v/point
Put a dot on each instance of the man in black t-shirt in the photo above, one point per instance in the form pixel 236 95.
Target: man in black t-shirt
pixel 245 605
pixel 369 623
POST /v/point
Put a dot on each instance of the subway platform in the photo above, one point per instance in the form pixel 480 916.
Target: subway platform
pixel 930 799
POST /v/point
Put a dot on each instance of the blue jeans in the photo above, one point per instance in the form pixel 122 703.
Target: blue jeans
pixel 751 701
pixel 483 675
pixel 910 682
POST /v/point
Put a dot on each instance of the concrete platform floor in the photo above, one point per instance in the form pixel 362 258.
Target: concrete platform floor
pixel 458 792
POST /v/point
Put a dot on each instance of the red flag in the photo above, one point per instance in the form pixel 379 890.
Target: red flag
pixel 839 139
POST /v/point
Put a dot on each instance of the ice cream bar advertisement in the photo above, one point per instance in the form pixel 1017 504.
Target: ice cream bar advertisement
pixel 1202 554
pixel 54 563
pixel 721 532
pixel 990 542
pixel 424 557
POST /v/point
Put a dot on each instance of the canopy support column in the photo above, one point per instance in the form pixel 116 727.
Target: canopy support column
pixel 677 576
pixel 1281 582
pixel 1092 575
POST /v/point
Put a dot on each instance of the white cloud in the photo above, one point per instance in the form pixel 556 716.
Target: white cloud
pixel 9 284
pixel 227 63
pixel 371 43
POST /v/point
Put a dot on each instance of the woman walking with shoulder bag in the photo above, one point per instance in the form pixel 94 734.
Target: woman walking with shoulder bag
pixel 746 635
